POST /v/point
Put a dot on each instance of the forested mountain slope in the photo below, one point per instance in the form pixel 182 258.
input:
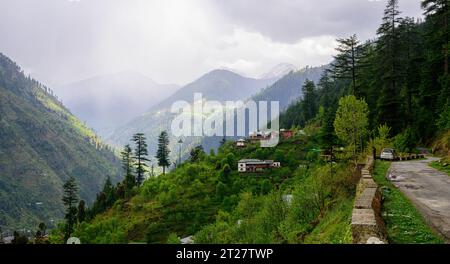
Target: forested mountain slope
pixel 41 145
pixel 289 88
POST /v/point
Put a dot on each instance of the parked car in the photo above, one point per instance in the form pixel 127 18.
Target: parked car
pixel 388 154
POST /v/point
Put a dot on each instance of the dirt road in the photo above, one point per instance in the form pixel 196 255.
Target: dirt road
pixel 428 189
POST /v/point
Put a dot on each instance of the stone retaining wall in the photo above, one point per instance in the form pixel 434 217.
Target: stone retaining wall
pixel 367 224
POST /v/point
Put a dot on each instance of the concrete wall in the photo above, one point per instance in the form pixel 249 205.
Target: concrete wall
pixel 367 224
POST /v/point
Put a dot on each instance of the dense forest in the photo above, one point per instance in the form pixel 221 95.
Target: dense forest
pixel 402 75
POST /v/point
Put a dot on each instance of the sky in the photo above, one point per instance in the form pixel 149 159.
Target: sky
pixel 177 41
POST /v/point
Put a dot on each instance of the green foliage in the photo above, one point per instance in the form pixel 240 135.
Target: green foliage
pixel 351 121
pixel 348 63
pixel 442 165
pixel 197 154
pixel 405 141
pixel 127 165
pixel 221 190
pixel 42 144
pixel 140 156
pixel 382 140
pixel 173 239
pixel 162 154
pixel 269 218
pixel 444 117
pixel 225 173
pixel 81 211
pixel 70 200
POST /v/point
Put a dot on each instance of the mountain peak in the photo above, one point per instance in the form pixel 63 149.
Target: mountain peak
pixel 279 71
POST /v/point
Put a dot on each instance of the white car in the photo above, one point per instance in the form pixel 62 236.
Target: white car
pixel 388 154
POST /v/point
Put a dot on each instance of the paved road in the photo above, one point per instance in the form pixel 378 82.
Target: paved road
pixel 427 188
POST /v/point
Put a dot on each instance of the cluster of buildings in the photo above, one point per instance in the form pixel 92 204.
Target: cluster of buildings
pixel 256 165
pixel 257 136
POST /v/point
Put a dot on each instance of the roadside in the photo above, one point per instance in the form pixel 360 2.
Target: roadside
pixel 442 165
pixel 404 223
pixel 428 189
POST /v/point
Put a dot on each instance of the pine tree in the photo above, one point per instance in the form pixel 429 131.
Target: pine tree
pixel 43 228
pixel 162 154
pixel 437 13
pixel 389 105
pixel 436 91
pixel 110 192
pixel 196 153
pixel 70 200
pixel 347 63
pixel 140 156
pixel 309 104
pixel 127 165
pixel 412 59
pixel 81 211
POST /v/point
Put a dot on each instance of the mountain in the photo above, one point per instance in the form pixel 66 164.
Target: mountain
pixel 289 88
pixel 107 101
pixel 218 85
pixel 41 145
pixel 286 90
pixel 279 71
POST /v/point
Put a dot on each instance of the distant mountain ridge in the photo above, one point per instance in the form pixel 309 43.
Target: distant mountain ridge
pixel 107 101
pixel 288 89
pixel 41 145
pixel 219 85
pixel 279 71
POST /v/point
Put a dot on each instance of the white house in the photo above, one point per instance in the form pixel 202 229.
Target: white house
pixel 256 165
pixel 240 143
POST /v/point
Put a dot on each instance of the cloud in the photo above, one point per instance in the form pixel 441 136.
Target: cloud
pixel 291 20
pixel 176 41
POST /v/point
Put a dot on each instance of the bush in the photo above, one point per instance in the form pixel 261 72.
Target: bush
pixel 405 141
pixel 173 239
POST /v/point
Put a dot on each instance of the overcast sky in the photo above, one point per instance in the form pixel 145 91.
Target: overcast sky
pixel 176 41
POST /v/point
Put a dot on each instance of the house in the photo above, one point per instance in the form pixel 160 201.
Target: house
pixel 240 143
pixel 286 133
pixel 258 136
pixel 256 165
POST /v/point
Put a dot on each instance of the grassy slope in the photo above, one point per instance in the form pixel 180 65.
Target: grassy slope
pixel 443 166
pixel 186 200
pixel 405 225
pixel 335 227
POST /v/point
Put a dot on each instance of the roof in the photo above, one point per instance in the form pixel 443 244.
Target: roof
pixel 255 161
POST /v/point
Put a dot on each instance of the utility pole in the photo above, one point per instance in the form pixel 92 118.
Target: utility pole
pixel 179 154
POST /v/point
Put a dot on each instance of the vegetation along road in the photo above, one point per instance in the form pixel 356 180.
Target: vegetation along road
pixel 427 188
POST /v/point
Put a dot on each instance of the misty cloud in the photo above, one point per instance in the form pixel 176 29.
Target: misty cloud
pixel 176 41
pixel 289 21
